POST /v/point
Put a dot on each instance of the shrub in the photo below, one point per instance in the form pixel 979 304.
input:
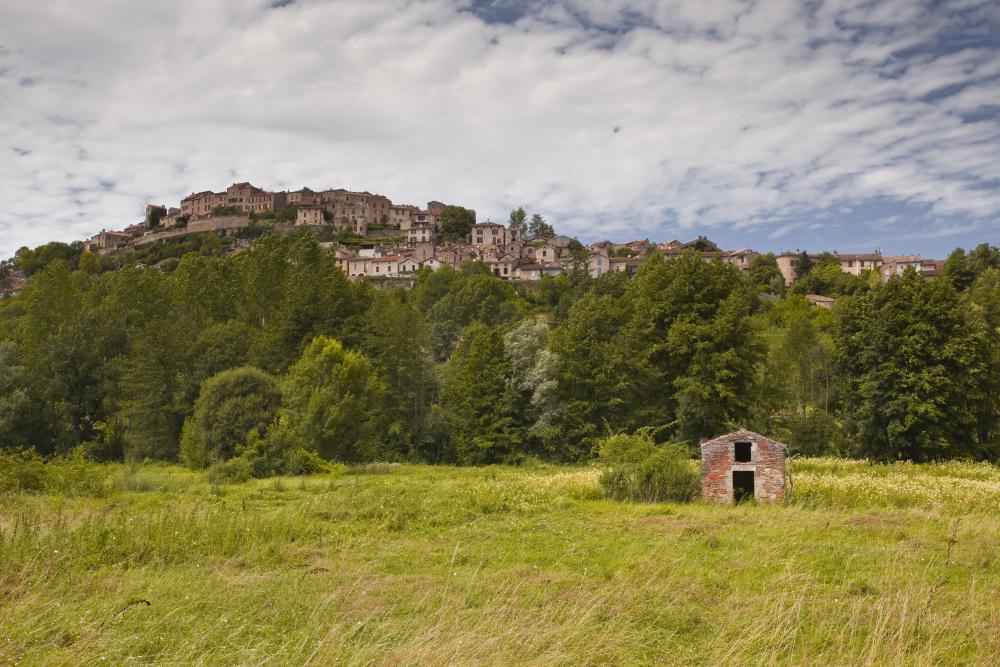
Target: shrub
pixel 231 404
pixel 26 471
pixel 232 471
pixel 640 470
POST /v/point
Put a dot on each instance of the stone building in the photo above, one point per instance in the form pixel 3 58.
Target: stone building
pixel 743 465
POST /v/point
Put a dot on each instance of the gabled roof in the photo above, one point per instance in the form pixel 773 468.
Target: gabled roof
pixel 741 435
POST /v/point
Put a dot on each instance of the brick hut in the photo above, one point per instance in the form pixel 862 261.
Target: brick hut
pixel 742 465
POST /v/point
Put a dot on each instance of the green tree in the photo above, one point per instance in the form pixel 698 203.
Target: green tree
pixel 518 221
pixel 456 223
pixel 231 405
pixel 803 266
pixel 32 261
pixel 912 368
pixel 962 269
pixel 538 228
pixel 334 402
pixel 90 263
pixel 67 344
pixel 533 383
pixel 15 402
pixel 397 340
pixel 984 295
pixel 587 379
pixel 476 401
pixel 765 275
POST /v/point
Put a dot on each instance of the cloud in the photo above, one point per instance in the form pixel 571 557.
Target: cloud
pixel 748 121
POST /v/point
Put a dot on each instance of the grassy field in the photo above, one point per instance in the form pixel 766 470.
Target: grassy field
pixel 385 564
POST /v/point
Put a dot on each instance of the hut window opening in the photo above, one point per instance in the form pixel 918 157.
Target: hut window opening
pixel 742 451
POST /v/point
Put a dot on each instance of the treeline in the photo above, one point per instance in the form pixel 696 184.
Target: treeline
pixel 273 361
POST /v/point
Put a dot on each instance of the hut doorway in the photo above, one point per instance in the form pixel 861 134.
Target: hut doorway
pixel 743 485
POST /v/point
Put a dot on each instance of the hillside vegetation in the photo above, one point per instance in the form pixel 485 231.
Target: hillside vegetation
pixel 272 361
pixel 410 564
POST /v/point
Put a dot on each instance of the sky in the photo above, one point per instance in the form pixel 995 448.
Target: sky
pixel 776 125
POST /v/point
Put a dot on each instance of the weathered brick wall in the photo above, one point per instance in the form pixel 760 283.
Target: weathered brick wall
pixel 767 461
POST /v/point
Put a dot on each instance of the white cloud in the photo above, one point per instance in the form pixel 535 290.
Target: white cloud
pixel 759 117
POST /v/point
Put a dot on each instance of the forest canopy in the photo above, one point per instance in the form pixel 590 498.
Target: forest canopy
pixel 274 355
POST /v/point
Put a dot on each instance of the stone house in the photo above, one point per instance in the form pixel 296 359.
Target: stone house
pixel 303 197
pixel 515 248
pixel 503 265
pixel 896 265
pixel 741 259
pixel 309 214
pixel 401 215
pixel 627 264
pixel 408 265
pixel 854 264
pixel 387 266
pixel 820 301
pixel 743 465
pixel 542 253
pixel 421 251
pixel 598 263
pixel 485 234
pixel 433 263
pixel 787 263
pixel 537 271
pixel 356 210
pixel 105 242
pixel 422 233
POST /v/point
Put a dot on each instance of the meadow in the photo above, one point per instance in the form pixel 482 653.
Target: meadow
pixel 398 564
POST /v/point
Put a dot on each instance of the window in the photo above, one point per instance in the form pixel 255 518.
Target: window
pixel 742 451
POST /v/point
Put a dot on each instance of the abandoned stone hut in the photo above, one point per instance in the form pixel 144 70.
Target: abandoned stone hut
pixel 743 465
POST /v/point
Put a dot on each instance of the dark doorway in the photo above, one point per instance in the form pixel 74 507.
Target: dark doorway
pixel 742 485
pixel 742 452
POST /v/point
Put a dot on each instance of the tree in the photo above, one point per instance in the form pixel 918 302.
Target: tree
pixel 33 261
pixel 334 402
pixel 153 216
pixel 231 405
pixel 912 367
pixel 984 295
pixel 66 344
pixel 397 340
pixel 518 221
pixel 456 223
pixel 458 299
pixel 532 379
pixel 90 263
pixel 586 373
pixel 764 274
pixel 538 228
pixel 15 402
pixel 962 269
pixel 476 400
pixel 803 266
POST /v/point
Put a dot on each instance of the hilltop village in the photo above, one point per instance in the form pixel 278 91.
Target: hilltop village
pixel 376 239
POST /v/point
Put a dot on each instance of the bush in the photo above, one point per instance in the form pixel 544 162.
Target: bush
pixel 639 470
pixel 231 404
pixel 232 471
pixel 26 471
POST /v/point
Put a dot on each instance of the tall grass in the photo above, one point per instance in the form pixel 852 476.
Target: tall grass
pixel 435 565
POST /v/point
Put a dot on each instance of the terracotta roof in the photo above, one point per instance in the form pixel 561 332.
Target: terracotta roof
pixel 861 256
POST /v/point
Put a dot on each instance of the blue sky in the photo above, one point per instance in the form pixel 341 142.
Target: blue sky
pixel 774 125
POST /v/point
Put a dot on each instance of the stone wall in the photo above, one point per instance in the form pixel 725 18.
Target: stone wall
pixel 767 462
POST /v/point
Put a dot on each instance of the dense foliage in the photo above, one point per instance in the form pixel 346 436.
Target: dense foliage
pixel 272 358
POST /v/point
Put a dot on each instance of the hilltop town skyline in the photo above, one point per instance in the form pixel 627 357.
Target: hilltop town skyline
pixel 852 126
pixel 728 238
